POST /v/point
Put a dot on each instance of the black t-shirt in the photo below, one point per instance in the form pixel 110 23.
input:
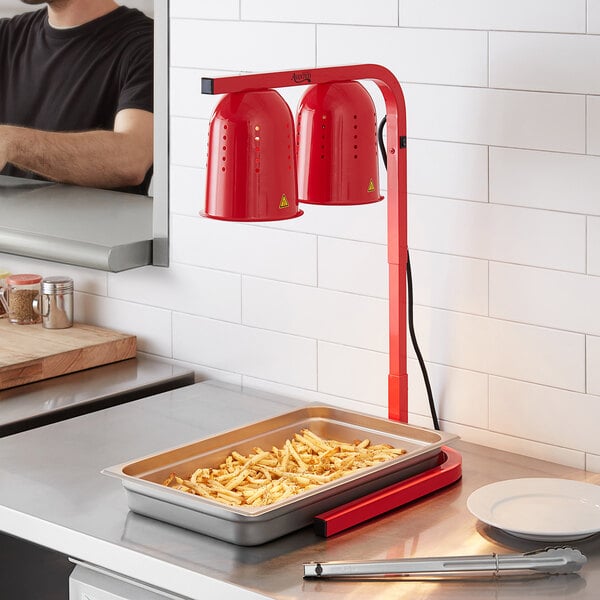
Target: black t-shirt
pixel 74 79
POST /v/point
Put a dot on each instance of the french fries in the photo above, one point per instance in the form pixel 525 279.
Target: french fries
pixel 266 476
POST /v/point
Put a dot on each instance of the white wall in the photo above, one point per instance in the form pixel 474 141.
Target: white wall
pixel 503 104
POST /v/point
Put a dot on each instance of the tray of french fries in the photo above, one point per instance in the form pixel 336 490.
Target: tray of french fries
pixel 256 483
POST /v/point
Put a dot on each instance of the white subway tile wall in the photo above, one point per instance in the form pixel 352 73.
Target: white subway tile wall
pixel 593 360
pixel 246 350
pixel 536 120
pixel 593 124
pixel 241 45
pixel 540 238
pixel 339 317
pixel 415 55
pixel 544 414
pixel 557 299
pixel 376 12
pixel 187 9
pixel 514 15
pixel 593 245
pixel 554 62
pixel 457 171
pixel 503 121
pixel 550 180
pixel 593 16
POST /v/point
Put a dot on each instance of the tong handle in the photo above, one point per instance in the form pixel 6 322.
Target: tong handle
pixel 549 560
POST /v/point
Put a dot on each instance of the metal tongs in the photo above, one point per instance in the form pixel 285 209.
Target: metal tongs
pixel 549 561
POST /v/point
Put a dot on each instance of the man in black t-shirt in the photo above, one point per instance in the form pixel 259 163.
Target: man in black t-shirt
pixel 76 94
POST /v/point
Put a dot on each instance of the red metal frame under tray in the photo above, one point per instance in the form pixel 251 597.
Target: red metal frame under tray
pixel 381 501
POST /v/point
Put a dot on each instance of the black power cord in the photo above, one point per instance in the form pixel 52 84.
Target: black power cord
pixel 409 301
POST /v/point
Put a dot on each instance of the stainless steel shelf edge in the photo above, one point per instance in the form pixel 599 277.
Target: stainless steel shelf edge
pixel 74 252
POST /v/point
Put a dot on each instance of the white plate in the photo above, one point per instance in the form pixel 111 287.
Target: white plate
pixel 539 508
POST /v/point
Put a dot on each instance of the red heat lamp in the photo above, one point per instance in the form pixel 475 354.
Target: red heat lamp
pixel 253 177
pixel 256 172
pixel 252 159
pixel 337 145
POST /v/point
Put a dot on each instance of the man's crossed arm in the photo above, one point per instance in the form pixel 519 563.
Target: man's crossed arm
pixel 103 159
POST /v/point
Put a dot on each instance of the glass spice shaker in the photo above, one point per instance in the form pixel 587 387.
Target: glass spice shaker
pixel 23 290
pixel 3 276
pixel 56 302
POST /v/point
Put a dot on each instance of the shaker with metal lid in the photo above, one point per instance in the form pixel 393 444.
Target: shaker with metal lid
pixel 56 305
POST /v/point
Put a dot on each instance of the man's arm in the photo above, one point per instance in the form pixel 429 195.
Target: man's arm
pixel 104 159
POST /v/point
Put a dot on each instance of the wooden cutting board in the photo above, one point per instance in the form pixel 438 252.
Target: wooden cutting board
pixel 31 353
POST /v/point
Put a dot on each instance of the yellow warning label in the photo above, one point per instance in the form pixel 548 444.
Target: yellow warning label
pixel 371 187
pixel 283 203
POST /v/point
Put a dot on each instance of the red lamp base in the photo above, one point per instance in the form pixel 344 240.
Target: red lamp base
pixel 377 503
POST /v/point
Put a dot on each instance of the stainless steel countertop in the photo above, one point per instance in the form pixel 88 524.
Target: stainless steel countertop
pixel 99 229
pixel 52 493
pixel 28 406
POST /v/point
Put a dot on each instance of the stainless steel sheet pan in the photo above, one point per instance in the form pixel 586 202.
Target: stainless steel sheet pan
pixel 247 526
